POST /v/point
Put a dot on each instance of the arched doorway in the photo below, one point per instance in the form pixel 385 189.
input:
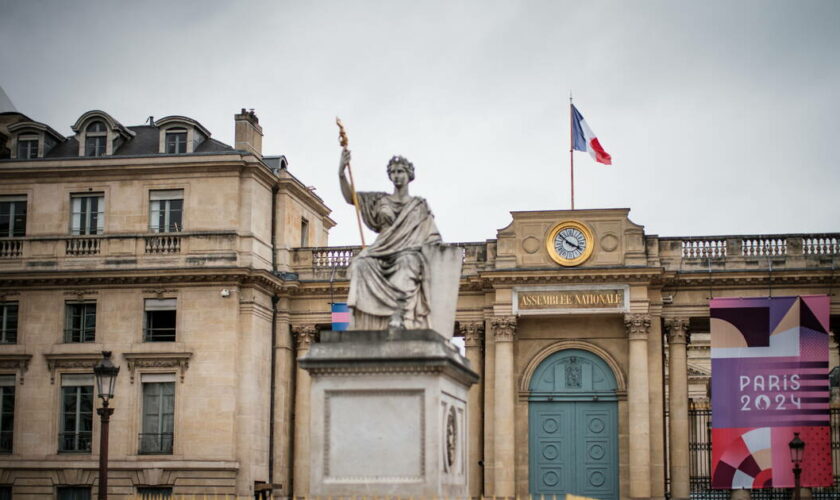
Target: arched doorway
pixel 573 427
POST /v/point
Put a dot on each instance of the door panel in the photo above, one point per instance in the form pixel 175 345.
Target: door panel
pixel 573 449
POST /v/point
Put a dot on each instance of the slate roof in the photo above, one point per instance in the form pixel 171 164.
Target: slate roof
pixel 146 142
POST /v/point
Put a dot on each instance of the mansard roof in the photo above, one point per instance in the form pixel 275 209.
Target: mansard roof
pixel 145 141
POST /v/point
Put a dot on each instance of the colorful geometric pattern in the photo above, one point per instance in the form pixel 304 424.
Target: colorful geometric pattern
pixel 769 380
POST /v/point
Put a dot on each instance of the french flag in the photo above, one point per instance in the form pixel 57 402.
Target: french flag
pixel 584 139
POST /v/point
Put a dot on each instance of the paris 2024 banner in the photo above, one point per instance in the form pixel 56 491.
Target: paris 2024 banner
pixel 769 380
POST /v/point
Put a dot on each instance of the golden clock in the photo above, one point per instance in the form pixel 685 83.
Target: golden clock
pixel 569 243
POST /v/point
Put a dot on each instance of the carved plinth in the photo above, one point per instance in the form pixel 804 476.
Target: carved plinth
pixel 388 415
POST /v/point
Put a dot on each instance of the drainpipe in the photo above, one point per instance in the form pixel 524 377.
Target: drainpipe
pixel 272 391
pixel 274 191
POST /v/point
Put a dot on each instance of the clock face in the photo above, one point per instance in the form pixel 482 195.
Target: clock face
pixel 569 243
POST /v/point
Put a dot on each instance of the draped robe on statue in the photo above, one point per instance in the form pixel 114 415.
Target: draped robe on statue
pixel 394 266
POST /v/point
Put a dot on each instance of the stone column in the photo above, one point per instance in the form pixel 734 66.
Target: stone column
pixel 504 331
pixel 678 407
pixel 304 336
pixel 638 403
pixel 473 342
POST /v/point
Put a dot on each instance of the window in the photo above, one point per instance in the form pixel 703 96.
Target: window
pixel 7 412
pixel 76 413
pixel 8 322
pixel 96 136
pixel 160 320
pixel 165 210
pixel 5 493
pixel 73 492
pixel 12 216
pixel 158 413
pixel 27 149
pixel 176 141
pixel 80 322
pixel 87 213
pixel 153 493
pixel 304 232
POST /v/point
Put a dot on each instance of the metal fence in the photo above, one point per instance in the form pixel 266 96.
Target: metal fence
pixel 700 447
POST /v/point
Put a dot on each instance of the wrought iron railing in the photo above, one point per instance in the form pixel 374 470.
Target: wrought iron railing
pixel 74 441
pixel 155 443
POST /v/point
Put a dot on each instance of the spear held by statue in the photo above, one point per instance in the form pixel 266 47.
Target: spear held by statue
pixel 343 142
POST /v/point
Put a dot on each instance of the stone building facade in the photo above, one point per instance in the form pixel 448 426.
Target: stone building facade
pixel 206 270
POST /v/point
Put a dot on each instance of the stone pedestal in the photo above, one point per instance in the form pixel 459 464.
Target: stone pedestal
pixel 388 415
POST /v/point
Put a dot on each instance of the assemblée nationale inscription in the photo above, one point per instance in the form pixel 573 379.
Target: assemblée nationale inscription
pixel 571 299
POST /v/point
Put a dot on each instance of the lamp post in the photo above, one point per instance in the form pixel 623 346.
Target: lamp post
pixel 797 450
pixel 106 376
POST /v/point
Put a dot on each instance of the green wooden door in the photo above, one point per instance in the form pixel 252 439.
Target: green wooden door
pixel 573 429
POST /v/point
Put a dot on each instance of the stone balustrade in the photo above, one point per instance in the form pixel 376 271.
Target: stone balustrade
pixel 791 251
pixel 211 248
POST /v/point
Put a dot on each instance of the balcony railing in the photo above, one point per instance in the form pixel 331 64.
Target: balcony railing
pixel 82 246
pixel 155 443
pixel 330 257
pixel 11 248
pixel 163 244
pixel 70 442
pixel 78 335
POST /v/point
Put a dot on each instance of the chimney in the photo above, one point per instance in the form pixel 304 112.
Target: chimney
pixel 248 134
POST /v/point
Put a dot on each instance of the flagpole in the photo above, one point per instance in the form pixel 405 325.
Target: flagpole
pixel 572 148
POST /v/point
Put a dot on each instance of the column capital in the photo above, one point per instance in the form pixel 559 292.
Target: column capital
pixel 637 326
pixel 677 329
pixel 473 333
pixel 504 328
pixel 304 335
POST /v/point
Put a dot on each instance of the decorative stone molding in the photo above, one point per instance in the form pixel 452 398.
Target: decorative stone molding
pixel 17 362
pixel 531 368
pixel 473 333
pixel 71 360
pixel 304 336
pixel 179 360
pixel 677 329
pixel 504 328
pixel 637 326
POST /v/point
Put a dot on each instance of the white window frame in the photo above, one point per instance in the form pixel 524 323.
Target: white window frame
pixel 80 209
pixel 160 201
pixel 76 380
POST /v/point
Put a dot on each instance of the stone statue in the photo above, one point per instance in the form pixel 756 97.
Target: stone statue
pixel 390 279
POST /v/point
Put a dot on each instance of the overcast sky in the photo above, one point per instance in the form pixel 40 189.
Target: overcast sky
pixel 721 117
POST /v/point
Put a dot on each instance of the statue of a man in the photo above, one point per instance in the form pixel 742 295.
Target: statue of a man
pixel 389 280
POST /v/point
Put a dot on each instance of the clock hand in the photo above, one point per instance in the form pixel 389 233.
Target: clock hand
pixel 572 242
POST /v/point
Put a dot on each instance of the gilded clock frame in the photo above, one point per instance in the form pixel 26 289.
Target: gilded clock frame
pixel 587 234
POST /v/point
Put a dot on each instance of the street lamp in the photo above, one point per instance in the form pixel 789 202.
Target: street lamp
pixel 797 450
pixel 106 376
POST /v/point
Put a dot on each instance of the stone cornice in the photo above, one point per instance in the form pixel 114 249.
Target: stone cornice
pixel 637 326
pixel 504 328
pixel 749 278
pixel 70 360
pixel 585 275
pixel 144 277
pixel 17 362
pixel 179 360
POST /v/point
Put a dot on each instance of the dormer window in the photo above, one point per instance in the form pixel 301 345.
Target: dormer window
pixel 176 141
pixel 27 148
pixel 96 139
pixel 180 135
